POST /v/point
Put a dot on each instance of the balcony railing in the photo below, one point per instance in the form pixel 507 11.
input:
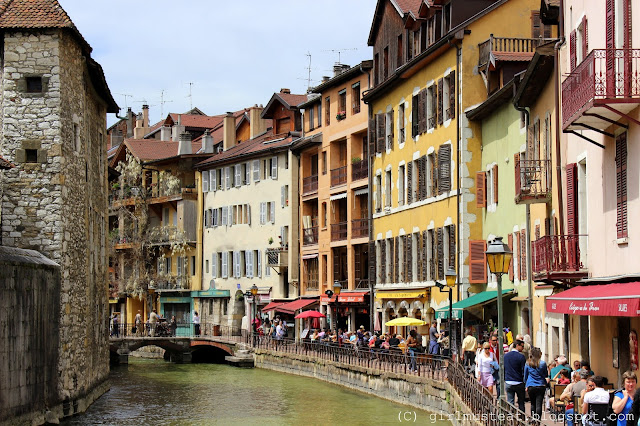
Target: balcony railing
pixel 556 257
pixel 359 228
pixel 277 257
pixel 310 184
pixel 359 170
pixel 506 45
pixel 310 236
pixel 533 181
pixel 339 231
pixel 604 76
pixel 339 176
pixel 362 284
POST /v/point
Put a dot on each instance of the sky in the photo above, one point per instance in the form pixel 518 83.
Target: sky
pixel 218 56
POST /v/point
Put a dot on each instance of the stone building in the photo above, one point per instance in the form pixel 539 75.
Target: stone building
pixel 54 101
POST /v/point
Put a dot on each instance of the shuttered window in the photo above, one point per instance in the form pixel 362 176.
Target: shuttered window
pixel 572 198
pixel 452 247
pixel 481 194
pixel 440 101
pixel 380 132
pixel 415 107
pixel 274 168
pixel 452 96
pixel 213 180
pixel 510 244
pixel 214 265
pixel 256 170
pixel 444 169
pixel 205 181
pixel 523 255
pixel 440 252
pixel 477 261
pixel 389 130
pixel 372 136
pixel 621 185
pixel 538 29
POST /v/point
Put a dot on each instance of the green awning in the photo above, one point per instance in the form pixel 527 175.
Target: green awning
pixel 475 300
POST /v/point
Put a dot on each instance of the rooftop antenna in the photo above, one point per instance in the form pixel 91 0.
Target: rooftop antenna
pixel 190 96
pixel 126 95
pixel 309 72
pixel 162 102
pixel 339 51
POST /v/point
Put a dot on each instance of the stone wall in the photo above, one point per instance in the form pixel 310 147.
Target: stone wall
pixel 426 394
pixel 29 306
pixel 55 198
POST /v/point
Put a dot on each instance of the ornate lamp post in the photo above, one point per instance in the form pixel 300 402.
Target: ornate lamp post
pixel 337 288
pixel 499 258
pixel 254 311
pixel 450 277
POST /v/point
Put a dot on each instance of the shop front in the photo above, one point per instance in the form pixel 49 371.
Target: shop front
pixel 206 306
pixel 414 303
pixel 352 309
pixel 287 312
pixel 179 306
pixel 603 321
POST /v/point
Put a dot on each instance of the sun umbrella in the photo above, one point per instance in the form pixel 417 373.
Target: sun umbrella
pixel 310 314
pixel 404 322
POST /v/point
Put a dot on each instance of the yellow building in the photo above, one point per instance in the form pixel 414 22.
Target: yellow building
pixel 424 153
pixel 334 200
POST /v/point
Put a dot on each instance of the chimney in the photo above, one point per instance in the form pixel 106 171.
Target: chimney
pixel 130 123
pixel 325 78
pixel 165 133
pixel 229 126
pixel 184 145
pixel 116 138
pixel 139 131
pixel 145 115
pixel 207 142
pixel 177 129
pixel 257 124
pixel 339 68
pixel 285 91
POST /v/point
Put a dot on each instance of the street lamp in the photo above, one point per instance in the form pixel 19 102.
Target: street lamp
pixel 450 278
pixel 254 311
pixel 337 288
pixel 499 258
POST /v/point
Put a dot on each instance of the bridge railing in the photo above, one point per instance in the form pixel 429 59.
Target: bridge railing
pixel 164 329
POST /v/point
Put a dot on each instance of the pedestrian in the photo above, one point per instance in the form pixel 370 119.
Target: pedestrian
pixel 624 399
pixel 434 347
pixel 536 379
pixel 483 361
pixel 595 394
pixel 115 327
pixel 574 390
pixel 196 323
pixel 138 324
pixel 173 325
pixel 412 344
pixel 153 321
pixel 443 341
pixel 469 347
pixel 514 363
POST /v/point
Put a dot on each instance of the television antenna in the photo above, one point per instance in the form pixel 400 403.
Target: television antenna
pixel 126 95
pixel 190 96
pixel 162 102
pixel 340 51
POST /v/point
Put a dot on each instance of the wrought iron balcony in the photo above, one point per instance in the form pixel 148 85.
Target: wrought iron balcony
pixel 533 181
pixel 603 87
pixel 278 257
pixel 362 284
pixel 339 231
pixel 310 184
pixel 339 176
pixel 359 228
pixel 557 258
pixel 310 236
pixel 359 170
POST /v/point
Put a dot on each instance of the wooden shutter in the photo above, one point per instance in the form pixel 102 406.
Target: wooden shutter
pixel 440 245
pixel 383 261
pixel 433 258
pixel 572 199
pixel 422 111
pixel 237 175
pixel 626 44
pixel 380 133
pixel 371 254
pixel 408 256
pixel 274 168
pixel 452 247
pixel 396 254
pixel 273 211
pixel 283 198
pixel 452 94
pixel 247 173
pixel 621 185
pixel 259 261
pixel 477 261
pixel 256 170
pixel 510 244
pixel 213 180
pixel 495 183
pixel 444 169
pixel 572 50
pixel 225 264
pixel 516 164
pixel 409 182
pixel 481 189
pixel 523 255
pixel 610 29
pixel 415 107
pixel 422 174
pixel 424 264
pixel 440 101
pixel 372 136
pixel 205 181
pixel 434 176
pixel 585 38
pixel 391 128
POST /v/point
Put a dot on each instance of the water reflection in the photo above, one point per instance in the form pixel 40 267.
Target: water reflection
pixel 160 393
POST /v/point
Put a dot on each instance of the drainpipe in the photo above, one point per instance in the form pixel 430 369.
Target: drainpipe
pixel 372 256
pixel 458 203
pixel 556 73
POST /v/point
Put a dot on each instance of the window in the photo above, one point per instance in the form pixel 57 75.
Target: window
pixel 621 185
pixel 327 110
pixel 324 162
pixel 376 69
pixel 401 123
pixel 389 130
pixel 284 196
pixel 431 107
pixel 537 28
pixel 34 84
pixel 320 114
pixel 446 18
pixel 492 186
pixel 399 52
pixel 410 44
pixel 378 194
pixel 206 266
pixel 273 162
pixel 342 103
pixel 31 155
pixel 324 215
pixel 431 176
pixel 355 98
pixel 387 189
pixel 401 185
pixel 311 110
pixel 193 265
pixel 247 173
pixel 450 95
pixel 256 170
pixel 385 60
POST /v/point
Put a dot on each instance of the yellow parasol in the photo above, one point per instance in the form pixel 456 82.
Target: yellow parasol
pixel 404 322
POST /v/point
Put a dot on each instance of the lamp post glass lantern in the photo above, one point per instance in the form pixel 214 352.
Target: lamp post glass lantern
pixel 450 277
pixel 499 258
pixel 337 288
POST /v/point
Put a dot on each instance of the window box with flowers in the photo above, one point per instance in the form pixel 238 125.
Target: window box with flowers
pixel 341 115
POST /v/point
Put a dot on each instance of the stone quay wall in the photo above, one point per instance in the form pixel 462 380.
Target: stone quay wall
pixel 435 396
pixel 55 199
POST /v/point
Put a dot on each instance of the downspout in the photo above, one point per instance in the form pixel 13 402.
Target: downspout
pixel 556 73
pixel 372 256
pixel 458 203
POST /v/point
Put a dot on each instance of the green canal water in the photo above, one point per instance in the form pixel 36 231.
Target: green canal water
pixel 154 392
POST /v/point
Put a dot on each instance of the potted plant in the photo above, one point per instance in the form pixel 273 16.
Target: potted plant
pixel 270 240
pixel 341 115
pixel 355 160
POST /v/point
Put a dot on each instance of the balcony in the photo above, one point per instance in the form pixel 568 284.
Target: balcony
pixel 533 181
pixel 359 170
pixel 310 184
pixel 604 78
pixel 339 231
pixel 362 284
pixel 278 257
pixel 171 283
pixel 558 258
pixel 359 228
pixel 506 49
pixel 339 176
pixel 310 236
pixel 126 196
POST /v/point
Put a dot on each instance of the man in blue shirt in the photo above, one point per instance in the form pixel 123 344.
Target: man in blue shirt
pixel 514 374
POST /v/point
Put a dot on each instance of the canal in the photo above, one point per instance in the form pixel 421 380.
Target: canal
pixel 160 393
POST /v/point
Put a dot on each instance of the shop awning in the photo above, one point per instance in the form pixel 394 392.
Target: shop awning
pixel 292 307
pixel 475 300
pixel 351 297
pixel 309 256
pixel 338 196
pixel 609 300
pixel 271 306
pixel 402 294
pixel 212 292
pixel 361 191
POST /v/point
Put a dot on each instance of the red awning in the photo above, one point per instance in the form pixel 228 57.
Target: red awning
pixel 352 297
pixel 292 307
pixel 271 306
pixel 609 300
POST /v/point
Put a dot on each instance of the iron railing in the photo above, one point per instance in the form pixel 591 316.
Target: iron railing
pixel 533 179
pixel 608 75
pixel 359 170
pixel 359 228
pixel 277 256
pixel 310 184
pixel 339 176
pixel 339 231
pixel 362 284
pixel 556 253
pixel 164 329
pixel 310 236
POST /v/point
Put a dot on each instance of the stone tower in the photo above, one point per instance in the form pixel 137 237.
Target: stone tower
pixel 54 100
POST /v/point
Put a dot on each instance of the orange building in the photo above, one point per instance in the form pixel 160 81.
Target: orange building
pixel 334 201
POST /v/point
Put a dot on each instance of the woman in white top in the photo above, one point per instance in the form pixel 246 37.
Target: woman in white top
pixel 484 360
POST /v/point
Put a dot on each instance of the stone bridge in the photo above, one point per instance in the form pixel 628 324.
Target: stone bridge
pixel 178 349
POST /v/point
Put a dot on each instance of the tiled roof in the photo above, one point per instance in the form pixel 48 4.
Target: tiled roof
pixel 409 5
pixel 293 99
pixel 151 149
pixel 263 143
pixel 195 120
pixel 4 164
pixel 513 56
